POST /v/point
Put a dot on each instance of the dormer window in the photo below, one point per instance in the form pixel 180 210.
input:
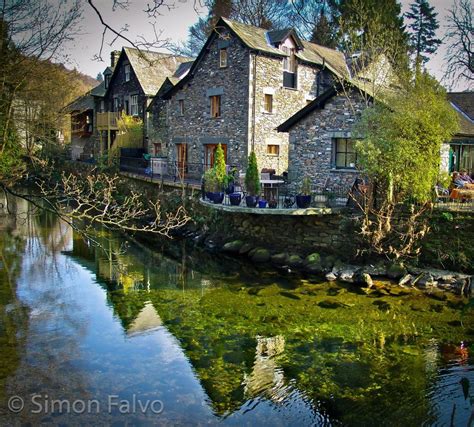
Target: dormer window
pixel 223 58
pixel 127 72
pixel 289 67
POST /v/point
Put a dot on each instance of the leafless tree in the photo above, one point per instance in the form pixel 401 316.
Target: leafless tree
pixel 460 39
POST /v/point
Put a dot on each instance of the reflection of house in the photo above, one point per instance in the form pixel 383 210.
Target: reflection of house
pixel 461 153
pixel 147 320
pixel 244 83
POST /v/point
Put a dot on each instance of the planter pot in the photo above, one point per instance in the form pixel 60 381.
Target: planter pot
pixel 272 204
pixel 262 203
pixel 235 199
pixel 217 198
pixel 209 195
pixel 302 201
pixel 251 201
pixel 230 189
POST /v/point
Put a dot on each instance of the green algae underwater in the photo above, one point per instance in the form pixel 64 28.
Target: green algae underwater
pixel 218 340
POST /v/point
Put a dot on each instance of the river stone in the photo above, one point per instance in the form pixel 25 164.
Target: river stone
pixel 378 269
pixel 330 277
pixel 280 259
pixel 396 271
pixel 347 274
pixel 426 281
pixel 252 251
pixel 261 255
pixel 246 247
pixel 364 279
pixel 405 280
pixel 328 262
pixel 233 247
pixel 295 261
pixel 314 267
pixel 313 258
pixel 331 304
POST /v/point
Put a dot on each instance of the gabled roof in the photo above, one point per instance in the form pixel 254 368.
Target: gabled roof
pixel 316 104
pixel 276 37
pixel 150 68
pixel 463 103
pixel 256 38
pixel 99 90
pixel 79 105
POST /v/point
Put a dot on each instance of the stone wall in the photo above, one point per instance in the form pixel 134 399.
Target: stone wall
pixel 311 151
pixel 196 128
pixel 286 102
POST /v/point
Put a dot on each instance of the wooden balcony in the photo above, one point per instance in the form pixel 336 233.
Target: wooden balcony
pixel 107 121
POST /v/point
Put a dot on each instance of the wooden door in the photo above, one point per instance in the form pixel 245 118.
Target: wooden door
pixel 210 155
pixel 182 158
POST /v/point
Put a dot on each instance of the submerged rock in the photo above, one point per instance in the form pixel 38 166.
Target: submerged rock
pixel 245 248
pixel 233 247
pixel 261 255
pixel 313 258
pixel 280 259
pixel 396 271
pixel 295 261
pixel 332 304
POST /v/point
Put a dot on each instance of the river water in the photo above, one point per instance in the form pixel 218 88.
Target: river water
pixel 125 335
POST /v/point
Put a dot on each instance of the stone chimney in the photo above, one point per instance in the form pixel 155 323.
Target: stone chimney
pixel 114 56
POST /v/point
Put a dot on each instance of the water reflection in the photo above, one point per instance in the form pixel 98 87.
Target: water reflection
pixel 217 341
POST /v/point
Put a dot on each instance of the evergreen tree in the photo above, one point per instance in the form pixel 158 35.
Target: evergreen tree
pixel 371 26
pixel 423 26
pixel 99 77
pixel 323 32
pixel 252 176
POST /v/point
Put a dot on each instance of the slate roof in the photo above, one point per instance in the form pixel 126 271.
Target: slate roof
pixel 81 104
pixel 463 103
pixel 152 68
pixel 99 90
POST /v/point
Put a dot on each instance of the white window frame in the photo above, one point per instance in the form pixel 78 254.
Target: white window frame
pixel 223 58
pixel 134 105
pixel 127 72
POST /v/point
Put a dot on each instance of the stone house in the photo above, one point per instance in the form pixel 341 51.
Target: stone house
pixel 321 143
pixel 243 84
pixel 136 78
pixel 460 154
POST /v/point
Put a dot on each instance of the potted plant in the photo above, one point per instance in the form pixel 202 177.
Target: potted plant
pixel 235 199
pixel 252 181
pixel 212 187
pixel 229 181
pixel 218 176
pixel 303 199
pixel 272 204
pixel 262 203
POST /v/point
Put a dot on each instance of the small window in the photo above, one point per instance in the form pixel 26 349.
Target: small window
pixel 181 107
pixel 268 103
pixel 157 148
pixel 102 106
pixel 273 150
pixel 223 58
pixel 127 72
pixel 134 105
pixel 215 106
pixel 116 104
pixel 346 157
pixel 107 81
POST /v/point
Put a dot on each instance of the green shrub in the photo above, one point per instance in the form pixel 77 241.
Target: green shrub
pixel 252 178
pixel 305 188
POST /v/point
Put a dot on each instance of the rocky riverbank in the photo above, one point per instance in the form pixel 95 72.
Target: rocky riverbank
pixel 365 276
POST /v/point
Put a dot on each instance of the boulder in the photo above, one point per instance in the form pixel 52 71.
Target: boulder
pixel 405 280
pixel 245 248
pixel 331 277
pixel 396 271
pixel 314 267
pixel 328 262
pixel 313 258
pixel 364 279
pixel 347 273
pixel 295 261
pixel 378 269
pixel 233 247
pixel 261 255
pixel 280 259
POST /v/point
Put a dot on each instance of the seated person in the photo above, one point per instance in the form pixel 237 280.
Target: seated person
pixel 458 181
pixel 465 177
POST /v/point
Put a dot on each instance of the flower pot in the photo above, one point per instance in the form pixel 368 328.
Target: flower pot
pixel 217 198
pixel 209 195
pixel 272 204
pixel 251 201
pixel 303 201
pixel 262 204
pixel 230 188
pixel 235 199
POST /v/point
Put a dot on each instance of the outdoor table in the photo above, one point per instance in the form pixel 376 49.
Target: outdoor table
pixel 270 188
pixel 461 193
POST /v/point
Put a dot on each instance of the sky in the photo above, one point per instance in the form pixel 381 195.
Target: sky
pixel 174 25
